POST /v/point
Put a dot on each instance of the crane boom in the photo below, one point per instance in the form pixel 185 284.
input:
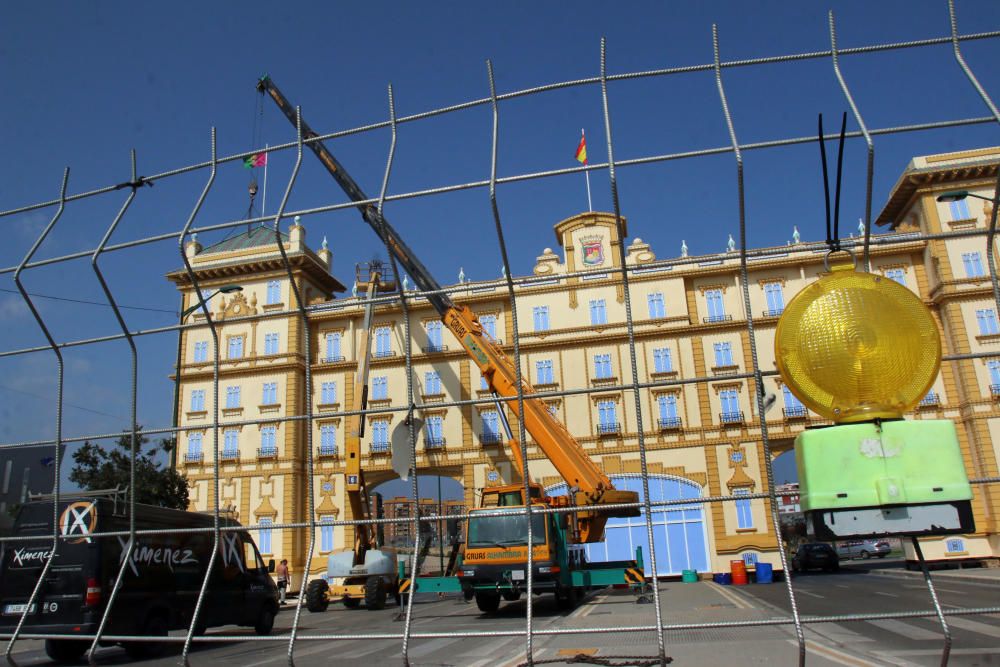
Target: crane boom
pixel 588 485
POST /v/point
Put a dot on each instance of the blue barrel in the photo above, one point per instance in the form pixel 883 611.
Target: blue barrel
pixel 717 578
pixel 727 579
pixel 765 573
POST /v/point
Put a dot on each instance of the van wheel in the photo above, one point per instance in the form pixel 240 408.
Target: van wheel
pixel 487 601
pixel 265 621
pixel 155 626
pixel 375 594
pixel 865 555
pixel 316 597
pixel 65 650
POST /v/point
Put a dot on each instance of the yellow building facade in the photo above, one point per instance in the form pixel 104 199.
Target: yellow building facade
pixel 701 438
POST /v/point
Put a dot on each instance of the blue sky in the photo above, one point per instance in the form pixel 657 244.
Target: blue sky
pixel 85 83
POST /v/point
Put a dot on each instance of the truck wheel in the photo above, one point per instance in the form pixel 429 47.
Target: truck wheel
pixel 511 595
pixel 375 594
pixel 487 601
pixel 316 598
pixel 265 621
pixel 352 603
pixel 65 650
pixel 567 598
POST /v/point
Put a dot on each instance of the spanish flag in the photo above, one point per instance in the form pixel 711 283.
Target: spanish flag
pixel 581 150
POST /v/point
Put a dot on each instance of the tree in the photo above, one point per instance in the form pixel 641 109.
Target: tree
pixel 96 467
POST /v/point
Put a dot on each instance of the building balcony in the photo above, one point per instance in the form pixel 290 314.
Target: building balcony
pixel 326 451
pixel 434 348
pixel 332 359
pixel 795 412
pixel 383 354
pixel 609 429
pixel 669 423
pixel 731 417
pixel 434 441
pixel 379 448
pixel 489 438
pixel 267 452
pixel 995 390
pixel 194 457
pixel 773 312
pixel 717 318
pixel 229 455
pixel 931 400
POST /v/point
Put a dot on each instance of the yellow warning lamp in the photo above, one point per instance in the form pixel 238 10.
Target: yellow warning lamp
pixel 855 347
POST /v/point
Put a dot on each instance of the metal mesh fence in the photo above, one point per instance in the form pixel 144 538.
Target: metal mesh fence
pixel 303 311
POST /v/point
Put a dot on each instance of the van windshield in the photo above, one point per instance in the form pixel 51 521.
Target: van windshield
pixel 505 530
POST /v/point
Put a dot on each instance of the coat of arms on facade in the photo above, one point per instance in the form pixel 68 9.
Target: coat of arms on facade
pixel 593 250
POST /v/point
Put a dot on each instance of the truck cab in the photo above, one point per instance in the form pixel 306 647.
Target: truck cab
pixel 496 549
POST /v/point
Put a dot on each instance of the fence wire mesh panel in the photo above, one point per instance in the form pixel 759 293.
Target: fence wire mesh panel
pixel 664 380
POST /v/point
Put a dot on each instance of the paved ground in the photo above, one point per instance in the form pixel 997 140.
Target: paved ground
pixel 881 587
pixel 896 642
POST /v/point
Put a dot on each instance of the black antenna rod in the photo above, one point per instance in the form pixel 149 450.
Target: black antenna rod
pixel 840 168
pixel 826 181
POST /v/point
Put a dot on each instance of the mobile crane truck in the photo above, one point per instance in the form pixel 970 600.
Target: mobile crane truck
pixel 496 549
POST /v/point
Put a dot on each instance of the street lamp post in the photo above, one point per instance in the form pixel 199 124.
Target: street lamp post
pixel 225 289
pixel 959 195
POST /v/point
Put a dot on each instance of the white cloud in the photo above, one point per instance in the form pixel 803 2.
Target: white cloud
pixel 12 307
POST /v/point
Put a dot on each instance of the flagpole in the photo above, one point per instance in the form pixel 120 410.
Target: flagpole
pixel 263 203
pixel 590 205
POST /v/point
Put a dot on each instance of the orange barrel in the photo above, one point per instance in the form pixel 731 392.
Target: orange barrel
pixel 739 571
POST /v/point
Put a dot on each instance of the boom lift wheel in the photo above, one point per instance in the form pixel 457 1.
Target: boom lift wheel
pixel 375 594
pixel 316 598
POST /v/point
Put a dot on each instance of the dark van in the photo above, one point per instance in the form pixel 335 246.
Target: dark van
pixel 161 583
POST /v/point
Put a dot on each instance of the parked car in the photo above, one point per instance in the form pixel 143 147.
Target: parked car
pixel 863 548
pixel 815 556
pixel 162 578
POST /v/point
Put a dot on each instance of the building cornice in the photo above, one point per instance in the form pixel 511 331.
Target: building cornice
pixel 254 266
pixel 915 179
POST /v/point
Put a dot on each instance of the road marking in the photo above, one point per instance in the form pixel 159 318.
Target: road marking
pixel 906 630
pixel 938 589
pixel 842 635
pixel 888 595
pixel 731 596
pixel 832 654
pixel 973 626
pixel 915 653
pixel 799 591
pixel 588 609
pixel 841 586
pixel 426 647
